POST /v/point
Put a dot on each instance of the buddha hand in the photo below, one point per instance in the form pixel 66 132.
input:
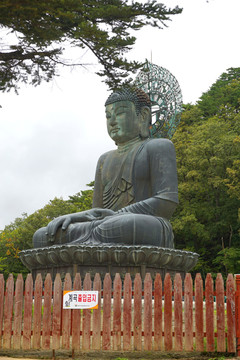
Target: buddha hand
pixel 65 220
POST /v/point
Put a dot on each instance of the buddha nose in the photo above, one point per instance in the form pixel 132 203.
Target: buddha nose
pixel 113 120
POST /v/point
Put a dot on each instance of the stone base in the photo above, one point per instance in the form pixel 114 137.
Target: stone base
pixel 107 258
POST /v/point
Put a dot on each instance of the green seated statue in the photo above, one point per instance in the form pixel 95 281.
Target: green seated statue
pixel 135 190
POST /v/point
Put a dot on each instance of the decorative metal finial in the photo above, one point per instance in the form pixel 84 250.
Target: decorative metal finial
pixel 166 98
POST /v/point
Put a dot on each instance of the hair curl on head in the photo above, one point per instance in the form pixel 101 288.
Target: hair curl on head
pixel 137 96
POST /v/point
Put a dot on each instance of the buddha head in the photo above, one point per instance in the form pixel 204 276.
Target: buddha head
pixel 128 113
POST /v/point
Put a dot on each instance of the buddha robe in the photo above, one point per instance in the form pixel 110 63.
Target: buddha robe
pixel 139 183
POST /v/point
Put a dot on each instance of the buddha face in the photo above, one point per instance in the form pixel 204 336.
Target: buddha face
pixel 123 123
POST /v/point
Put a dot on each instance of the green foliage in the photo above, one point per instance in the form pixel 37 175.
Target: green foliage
pixel 9 254
pixel 83 199
pixel 223 94
pixel 233 173
pixel 230 258
pixel 18 235
pixel 208 149
pixel 43 28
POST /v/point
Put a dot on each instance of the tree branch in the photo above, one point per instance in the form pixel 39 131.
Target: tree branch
pixel 20 55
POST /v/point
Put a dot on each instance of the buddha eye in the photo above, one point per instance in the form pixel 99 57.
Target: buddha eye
pixel 120 112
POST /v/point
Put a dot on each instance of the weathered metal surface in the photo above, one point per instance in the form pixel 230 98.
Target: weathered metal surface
pixel 135 194
pixel 135 188
pixel 166 97
pixel 112 258
pixel 117 255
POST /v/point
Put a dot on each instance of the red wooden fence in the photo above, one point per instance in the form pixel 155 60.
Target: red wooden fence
pixel 134 314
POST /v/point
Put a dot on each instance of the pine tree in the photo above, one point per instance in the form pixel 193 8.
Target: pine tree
pixel 42 29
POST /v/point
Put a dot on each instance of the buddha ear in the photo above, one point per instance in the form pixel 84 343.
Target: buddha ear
pixel 145 121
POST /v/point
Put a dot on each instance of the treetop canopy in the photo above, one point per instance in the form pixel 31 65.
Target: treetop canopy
pixel 41 27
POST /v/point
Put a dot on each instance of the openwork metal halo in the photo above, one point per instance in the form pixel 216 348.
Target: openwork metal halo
pixel 166 98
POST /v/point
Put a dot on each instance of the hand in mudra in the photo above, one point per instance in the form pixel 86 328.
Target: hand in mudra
pixel 64 221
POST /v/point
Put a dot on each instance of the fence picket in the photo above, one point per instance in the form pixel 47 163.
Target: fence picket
pixel 237 313
pixel 66 316
pixel 107 287
pixel 231 332
pixel 188 312
pixel 76 316
pixel 158 312
pixel 37 315
pixel 127 312
pixel 178 343
pixel 67 323
pixel 47 316
pixel 167 312
pixel 137 326
pixel 148 312
pixel 17 325
pixel 8 313
pixel 1 306
pixel 86 340
pixel 27 317
pixel 96 340
pixel 209 301
pixel 220 314
pixel 117 296
pixel 57 311
pixel 199 312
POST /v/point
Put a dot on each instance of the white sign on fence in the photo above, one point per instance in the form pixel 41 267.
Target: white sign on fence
pixel 80 299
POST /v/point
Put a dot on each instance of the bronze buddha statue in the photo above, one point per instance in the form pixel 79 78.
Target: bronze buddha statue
pixel 135 190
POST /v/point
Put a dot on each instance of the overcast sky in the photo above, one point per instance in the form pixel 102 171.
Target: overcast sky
pixel 51 136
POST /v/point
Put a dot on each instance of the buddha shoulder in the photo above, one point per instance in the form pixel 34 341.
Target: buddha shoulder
pixel 104 156
pixel 159 145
